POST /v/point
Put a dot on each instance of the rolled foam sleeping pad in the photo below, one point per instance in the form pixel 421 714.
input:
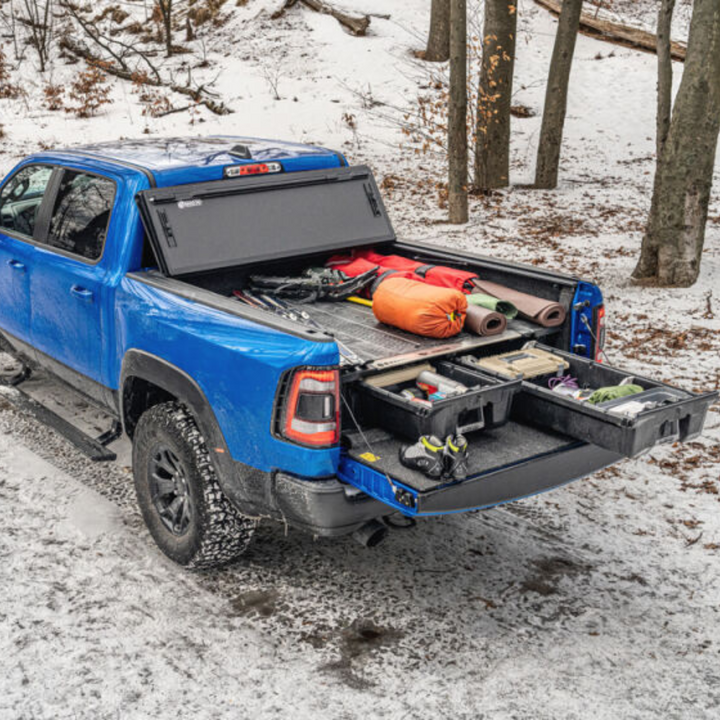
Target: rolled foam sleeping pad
pixel 482 321
pixel 544 312
pixel 419 308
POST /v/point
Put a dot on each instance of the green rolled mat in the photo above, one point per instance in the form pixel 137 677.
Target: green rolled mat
pixel 492 303
pixel 605 394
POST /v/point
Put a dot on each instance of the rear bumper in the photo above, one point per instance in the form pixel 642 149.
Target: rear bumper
pixel 324 507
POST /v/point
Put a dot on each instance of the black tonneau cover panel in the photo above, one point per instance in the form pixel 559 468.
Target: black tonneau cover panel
pixel 233 222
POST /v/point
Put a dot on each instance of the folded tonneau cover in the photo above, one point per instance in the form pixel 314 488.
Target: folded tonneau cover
pixel 234 222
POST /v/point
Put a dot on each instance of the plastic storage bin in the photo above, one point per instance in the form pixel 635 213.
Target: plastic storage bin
pixel 681 418
pixel 486 404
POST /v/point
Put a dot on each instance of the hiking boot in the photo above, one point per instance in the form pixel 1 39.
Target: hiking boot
pixel 455 456
pixel 426 456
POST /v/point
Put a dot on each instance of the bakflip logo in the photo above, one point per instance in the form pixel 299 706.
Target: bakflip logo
pixel 189 204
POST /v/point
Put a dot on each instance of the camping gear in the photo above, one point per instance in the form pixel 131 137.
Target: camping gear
pixel 485 404
pixel 680 419
pixel 439 387
pixel 544 312
pixel 484 322
pixel 613 392
pixel 567 386
pixel 417 308
pixel 396 265
pixel 631 406
pixel 526 363
pixel 395 377
pixel 426 456
pixel 455 457
pixel 492 303
pixel 323 284
pixel 273 304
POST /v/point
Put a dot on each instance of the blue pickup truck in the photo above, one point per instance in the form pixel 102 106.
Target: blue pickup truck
pixel 118 267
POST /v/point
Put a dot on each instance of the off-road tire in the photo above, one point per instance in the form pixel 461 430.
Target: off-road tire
pixel 217 533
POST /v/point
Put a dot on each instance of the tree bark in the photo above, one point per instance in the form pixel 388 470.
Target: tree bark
pixel 492 133
pixel 665 72
pixel 457 115
pixel 553 121
pixel 166 12
pixel 438 44
pixel 673 242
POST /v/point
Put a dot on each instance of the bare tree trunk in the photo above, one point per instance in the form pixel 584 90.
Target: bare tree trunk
pixel 457 114
pixel 492 133
pixel 673 243
pixel 166 12
pixel 665 72
pixel 438 44
pixel 39 19
pixel 553 121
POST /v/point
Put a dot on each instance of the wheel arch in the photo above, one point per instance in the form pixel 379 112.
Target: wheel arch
pixel 147 380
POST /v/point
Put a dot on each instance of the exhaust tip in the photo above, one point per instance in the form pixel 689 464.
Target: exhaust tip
pixel 371 534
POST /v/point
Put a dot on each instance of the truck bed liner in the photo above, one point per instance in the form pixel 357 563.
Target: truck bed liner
pixel 490 450
pixel 379 344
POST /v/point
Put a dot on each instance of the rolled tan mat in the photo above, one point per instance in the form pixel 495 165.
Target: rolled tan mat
pixel 482 321
pixel 544 312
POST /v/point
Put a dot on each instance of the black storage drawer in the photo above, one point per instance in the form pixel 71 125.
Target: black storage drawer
pixel 486 404
pixel 681 419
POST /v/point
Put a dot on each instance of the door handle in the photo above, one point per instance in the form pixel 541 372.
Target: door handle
pixel 16 265
pixel 82 293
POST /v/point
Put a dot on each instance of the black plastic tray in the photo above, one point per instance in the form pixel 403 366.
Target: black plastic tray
pixel 487 404
pixel 680 420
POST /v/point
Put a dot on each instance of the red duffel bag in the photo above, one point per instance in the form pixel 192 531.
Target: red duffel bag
pixel 437 275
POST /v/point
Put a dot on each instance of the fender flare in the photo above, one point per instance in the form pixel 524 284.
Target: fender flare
pixel 170 378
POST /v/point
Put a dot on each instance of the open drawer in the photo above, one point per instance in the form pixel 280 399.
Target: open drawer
pixel 378 402
pixel 673 415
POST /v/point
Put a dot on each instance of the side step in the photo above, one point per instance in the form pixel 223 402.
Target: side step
pixel 93 448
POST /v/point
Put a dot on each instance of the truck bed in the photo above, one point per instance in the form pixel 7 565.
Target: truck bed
pixel 381 346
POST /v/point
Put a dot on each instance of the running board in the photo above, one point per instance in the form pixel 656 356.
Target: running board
pixel 93 448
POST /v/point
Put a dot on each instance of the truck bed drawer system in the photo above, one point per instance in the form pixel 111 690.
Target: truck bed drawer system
pixel 529 439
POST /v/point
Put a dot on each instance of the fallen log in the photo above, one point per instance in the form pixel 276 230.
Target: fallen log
pixel 617 33
pixel 355 24
pixel 198 95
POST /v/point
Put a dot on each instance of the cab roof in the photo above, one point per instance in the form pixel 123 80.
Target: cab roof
pixel 180 160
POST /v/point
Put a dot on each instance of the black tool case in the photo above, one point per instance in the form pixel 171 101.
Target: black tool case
pixel 486 404
pixel 682 419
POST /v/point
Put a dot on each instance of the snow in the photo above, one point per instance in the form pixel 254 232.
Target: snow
pixel 598 600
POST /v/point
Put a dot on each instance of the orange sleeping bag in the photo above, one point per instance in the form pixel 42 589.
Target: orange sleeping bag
pixel 419 308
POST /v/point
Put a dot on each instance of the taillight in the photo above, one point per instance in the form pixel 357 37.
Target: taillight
pixel 311 415
pixel 253 169
pixel 599 331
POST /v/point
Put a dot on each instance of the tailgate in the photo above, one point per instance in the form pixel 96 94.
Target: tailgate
pixel 506 463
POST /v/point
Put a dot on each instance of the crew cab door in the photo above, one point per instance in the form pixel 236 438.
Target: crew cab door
pixel 67 285
pixel 21 202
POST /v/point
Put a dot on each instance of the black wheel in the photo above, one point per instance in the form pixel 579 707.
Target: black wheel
pixel 185 510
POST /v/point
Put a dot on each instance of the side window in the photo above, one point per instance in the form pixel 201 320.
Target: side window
pixel 21 197
pixel 81 214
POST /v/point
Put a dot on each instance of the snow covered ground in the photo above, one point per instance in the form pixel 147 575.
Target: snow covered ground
pixel 598 600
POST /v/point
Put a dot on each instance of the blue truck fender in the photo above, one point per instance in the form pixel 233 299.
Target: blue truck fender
pixel 148 380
